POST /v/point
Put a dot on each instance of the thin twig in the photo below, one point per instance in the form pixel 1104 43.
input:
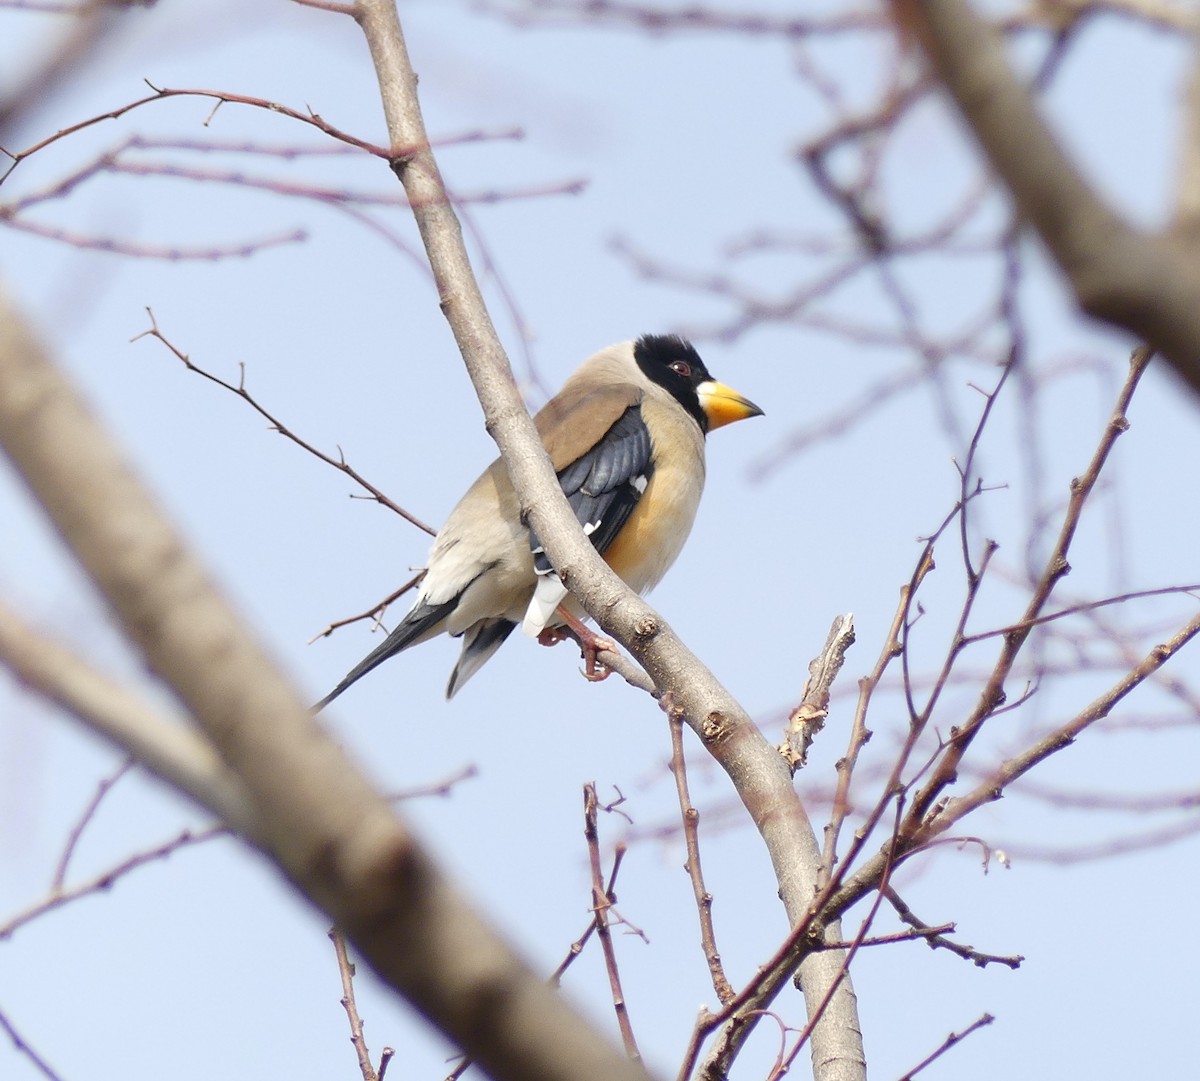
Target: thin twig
pixel 602 901
pixel 221 97
pixel 913 934
pixel 239 389
pixel 573 953
pixel 441 788
pixel 859 732
pixel 992 695
pixel 350 1005
pixel 1076 609
pixel 691 836
pixel 23 1047
pixel 105 881
pixel 954 1038
pixel 171 253
pixel 1065 856
pixel 1063 736
pixel 93 805
pixel 375 613
pixel 935 936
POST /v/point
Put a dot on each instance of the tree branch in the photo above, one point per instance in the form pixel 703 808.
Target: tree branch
pixel 177 754
pixel 758 772
pixel 315 814
pixel 1146 284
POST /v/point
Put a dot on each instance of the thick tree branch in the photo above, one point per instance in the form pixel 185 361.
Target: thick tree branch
pixel 1146 284
pixel 315 814
pixel 759 774
pixel 1187 193
pixel 175 753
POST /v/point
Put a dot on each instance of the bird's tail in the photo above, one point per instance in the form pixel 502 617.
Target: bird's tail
pixel 422 619
pixel 479 643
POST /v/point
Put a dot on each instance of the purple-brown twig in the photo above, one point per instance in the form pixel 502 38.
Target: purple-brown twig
pixel 239 389
pixel 602 901
pixel 691 837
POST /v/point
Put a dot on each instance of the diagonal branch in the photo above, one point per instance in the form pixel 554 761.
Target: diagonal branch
pixel 1145 283
pixel 315 814
pixel 239 389
pixel 171 750
pixel 993 788
pixel 603 899
pixel 758 772
pixel 993 695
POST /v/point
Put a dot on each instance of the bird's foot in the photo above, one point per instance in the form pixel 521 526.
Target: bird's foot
pixel 593 670
pixel 590 643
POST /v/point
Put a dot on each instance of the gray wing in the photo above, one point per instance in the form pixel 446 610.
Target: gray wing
pixel 603 487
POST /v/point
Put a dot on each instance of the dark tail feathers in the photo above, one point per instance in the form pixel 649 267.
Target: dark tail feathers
pixel 479 643
pixel 416 623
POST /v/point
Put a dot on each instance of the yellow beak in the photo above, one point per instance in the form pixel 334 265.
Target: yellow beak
pixel 723 405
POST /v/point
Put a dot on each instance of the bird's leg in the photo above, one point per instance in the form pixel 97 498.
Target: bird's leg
pixel 589 642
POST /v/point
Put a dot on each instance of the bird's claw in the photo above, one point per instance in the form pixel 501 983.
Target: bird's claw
pixel 590 644
pixel 594 671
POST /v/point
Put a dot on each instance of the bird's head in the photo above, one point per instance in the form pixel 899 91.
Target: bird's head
pixel 674 365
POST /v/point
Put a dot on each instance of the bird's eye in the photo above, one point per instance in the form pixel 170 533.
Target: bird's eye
pixel 682 368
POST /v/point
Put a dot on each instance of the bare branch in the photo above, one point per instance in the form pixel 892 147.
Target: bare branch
pixel 328 5
pixel 693 17
pixel 859 733
pixel 221 98
pixel 1069 855
pixel 936 936
pixel 1145 284
pixel 171 253
pixel 992 695
pixel 375 613
pixel 169 748
pixel 60 897
pixel 1064 735
pixel 727 731
pixel 23 1047
pixel 339 463
pixel 691 836
pixel 314 813
pixel 954 1038
pixel 573 952
pixel 89 812
pixel 350 1005
pixel 808 718
pixel 602 902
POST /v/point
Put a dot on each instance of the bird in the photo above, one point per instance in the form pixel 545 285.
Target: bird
pixel 626 436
